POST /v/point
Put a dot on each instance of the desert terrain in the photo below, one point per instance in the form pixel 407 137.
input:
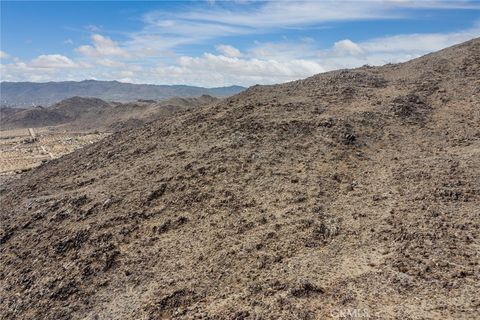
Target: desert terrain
pixel 23 149
pixel 30 137
pixel 350 190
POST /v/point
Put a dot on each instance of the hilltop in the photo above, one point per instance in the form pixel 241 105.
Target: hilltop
pixel 349 190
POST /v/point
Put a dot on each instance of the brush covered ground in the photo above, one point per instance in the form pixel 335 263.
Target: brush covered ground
pixel 350 190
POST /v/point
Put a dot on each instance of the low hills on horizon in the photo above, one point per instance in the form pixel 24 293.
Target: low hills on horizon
pixel 27 94
pixel 87 113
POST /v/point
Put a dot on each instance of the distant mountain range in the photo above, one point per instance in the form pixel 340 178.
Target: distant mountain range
pixel 21 94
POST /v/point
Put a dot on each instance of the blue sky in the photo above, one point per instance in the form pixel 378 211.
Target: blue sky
pixel 217 43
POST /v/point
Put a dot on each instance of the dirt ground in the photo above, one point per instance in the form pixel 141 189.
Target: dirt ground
pixel 20 151
pixel 350 194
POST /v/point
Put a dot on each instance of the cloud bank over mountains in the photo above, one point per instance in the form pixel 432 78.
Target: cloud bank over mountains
pixel 153 54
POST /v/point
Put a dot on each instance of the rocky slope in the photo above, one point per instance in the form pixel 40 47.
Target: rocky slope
pixel 350 192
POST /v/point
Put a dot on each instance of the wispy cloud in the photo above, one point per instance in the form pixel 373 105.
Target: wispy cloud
pixel 438 4
pixel 170 29
pixel 297 13
pixel 93 28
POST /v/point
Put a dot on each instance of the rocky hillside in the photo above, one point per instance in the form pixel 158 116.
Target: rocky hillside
pixel 32 117
pixel 350 191
pixel 26 94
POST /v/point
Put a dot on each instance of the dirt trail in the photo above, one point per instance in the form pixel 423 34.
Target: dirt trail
pixel 49 153
pixel 32 133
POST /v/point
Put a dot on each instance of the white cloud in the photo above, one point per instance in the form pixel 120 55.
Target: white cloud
pixel 68 41
pixel 348 47
pixel 391 49
pixel 49 67
pixel 4 55
pixel 283 51
pixel 228 51
pixel 420 43
pixel 219 70
pixel 110 63
pixel 102 46
pixel 52 61
pixel 268 63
